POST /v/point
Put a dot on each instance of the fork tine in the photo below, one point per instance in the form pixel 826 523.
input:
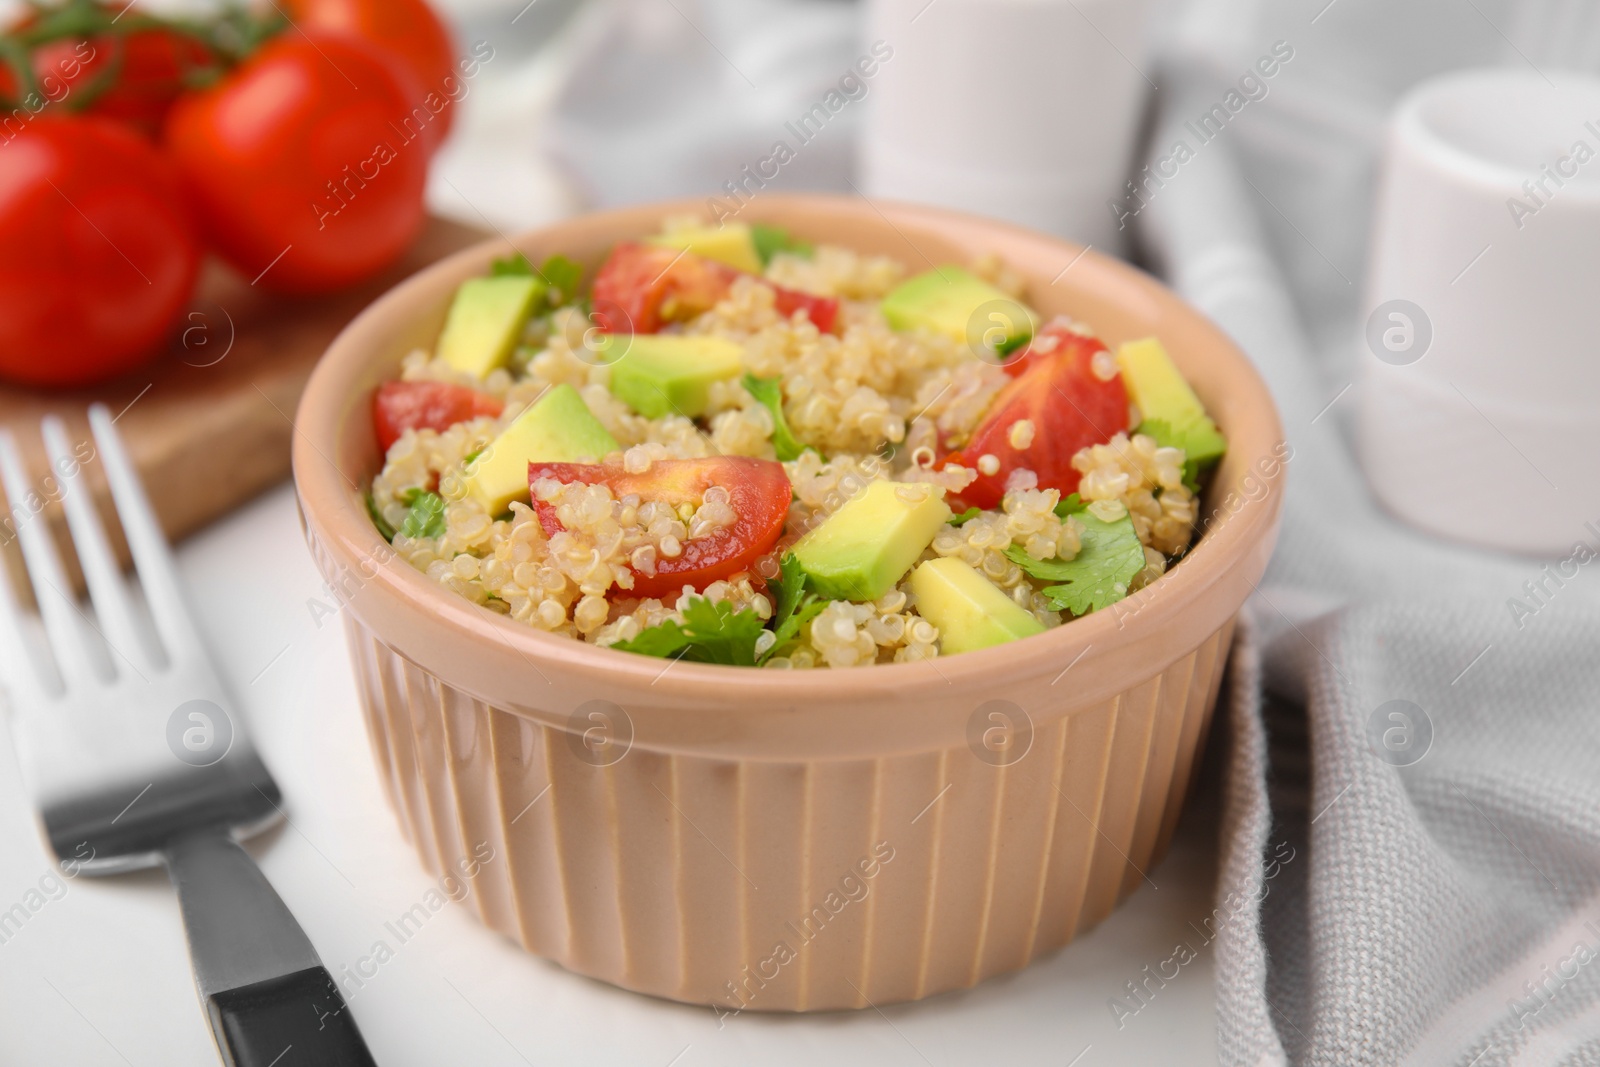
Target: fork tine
pixel 100 568
pixel 50 588
pixel 17 670
pixel 146 541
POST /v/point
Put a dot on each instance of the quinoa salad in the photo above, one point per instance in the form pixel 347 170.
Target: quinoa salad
pixel 732 446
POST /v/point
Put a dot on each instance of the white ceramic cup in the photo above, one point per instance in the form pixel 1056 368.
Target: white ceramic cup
pixel 1479 415
pixel 1024 110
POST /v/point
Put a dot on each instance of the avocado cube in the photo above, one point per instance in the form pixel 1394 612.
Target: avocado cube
pixel 1169 408
pixel 556 428
pixel 948 301
pixel 486 321
pixel 970 611
pixel 860 551
pixel 730 243
pixel 669 374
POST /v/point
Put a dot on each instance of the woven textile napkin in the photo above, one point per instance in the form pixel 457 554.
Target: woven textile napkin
pixel 1428 749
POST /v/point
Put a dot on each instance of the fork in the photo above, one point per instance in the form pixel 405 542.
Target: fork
pixel 132 761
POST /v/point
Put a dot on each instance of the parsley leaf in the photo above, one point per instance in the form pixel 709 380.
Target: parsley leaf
pixel 426 517
pixel 793 604
pixel 769 393
pixel 1201 441
pixel 510 266
pixel 1070 506
pixel 385 530
pixel 1110 557
pixel 1012 344
pixel 560 275
pixel 770 240
pixel 710 633
pixel 563 276
pixel 964 517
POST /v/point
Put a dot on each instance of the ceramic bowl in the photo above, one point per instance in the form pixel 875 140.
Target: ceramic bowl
pixel 792 841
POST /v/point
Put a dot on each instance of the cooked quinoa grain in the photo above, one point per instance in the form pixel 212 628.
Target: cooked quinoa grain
pixel 866 402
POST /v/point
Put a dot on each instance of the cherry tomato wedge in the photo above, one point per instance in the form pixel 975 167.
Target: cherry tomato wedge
pixel 758 492
pixel 823 311
pixel 640 288
pixel 1056 340
pixel 1055 388
pixel 401 406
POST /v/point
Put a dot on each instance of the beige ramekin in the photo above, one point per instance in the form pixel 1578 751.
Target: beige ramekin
pixel 793 841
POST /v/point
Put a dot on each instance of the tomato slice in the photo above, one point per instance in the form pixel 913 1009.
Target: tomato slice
pixel 641 288
pixel 1054 387
pixel 401 406
pixel 823 311
pixel 758 492
pixel 1057 340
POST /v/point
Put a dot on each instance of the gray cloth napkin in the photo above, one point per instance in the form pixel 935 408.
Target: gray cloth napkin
pixel 1429 759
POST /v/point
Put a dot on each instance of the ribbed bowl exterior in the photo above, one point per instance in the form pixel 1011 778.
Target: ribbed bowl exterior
pixel 789 886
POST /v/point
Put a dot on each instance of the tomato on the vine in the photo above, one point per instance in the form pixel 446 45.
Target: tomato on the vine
pixel 299 165
pixel 102 58
pixel 98 254
pixel 409 30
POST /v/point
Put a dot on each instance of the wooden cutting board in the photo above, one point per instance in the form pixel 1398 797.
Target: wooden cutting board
pixel 209 425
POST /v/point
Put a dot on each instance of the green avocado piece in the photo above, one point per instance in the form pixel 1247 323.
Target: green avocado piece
pixel 1169 410
pixel 486 321
pixel 947 300
pixel 860 551
pixel 669 374
pixel 970 611
pixel 556 428
pixel 730 243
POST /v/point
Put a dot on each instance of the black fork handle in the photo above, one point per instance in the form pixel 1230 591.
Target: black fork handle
pixel 269 998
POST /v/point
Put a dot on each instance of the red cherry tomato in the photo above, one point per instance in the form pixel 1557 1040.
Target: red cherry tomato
pixel 413 34
pixel 1054 387
pixel 97 254
pixel 299 165
pixel 823 311
pixel 640 288
pixel 401 406
pixel 758 492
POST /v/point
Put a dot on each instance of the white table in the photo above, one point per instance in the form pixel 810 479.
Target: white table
pixel 100 975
